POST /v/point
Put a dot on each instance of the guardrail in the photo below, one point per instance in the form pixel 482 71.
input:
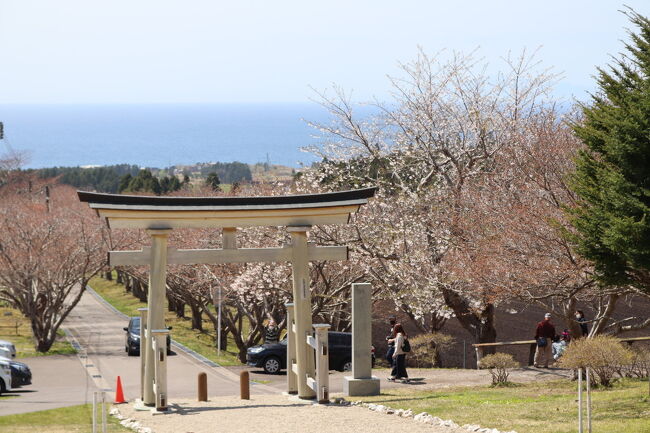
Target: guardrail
pixel 531 355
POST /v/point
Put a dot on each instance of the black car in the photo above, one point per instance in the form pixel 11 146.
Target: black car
pixel 273 357
pixel 20 374
pixel 132 342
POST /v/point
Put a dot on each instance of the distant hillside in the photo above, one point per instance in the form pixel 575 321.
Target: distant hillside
pixel 103 179
pixel 108 178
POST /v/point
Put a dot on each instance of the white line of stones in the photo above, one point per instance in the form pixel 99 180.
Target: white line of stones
pixel 129 423
pixel 423 417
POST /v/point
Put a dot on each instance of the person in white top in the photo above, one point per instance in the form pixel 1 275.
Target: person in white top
pixel 399 357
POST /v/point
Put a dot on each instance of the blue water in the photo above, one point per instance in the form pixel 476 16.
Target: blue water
pixel 160 135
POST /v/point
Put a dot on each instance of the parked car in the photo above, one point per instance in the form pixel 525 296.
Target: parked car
pixel 21 375
pixel 5 354
pixel 273 357
pixel 9 346
pixel 5 375
pixel 132 342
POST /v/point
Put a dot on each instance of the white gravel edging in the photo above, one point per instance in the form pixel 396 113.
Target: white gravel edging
pixel 422 417
pixel 129 423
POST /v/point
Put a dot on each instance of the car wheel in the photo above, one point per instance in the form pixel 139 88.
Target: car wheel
pixel 346 365
pixel 272 365
pixel 3 387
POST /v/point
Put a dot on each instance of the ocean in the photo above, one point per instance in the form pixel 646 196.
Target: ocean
pixel 160 135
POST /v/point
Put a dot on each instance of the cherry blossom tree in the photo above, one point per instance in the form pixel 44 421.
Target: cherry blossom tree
pixel 445 125
pixel 50 246
pixel 515 225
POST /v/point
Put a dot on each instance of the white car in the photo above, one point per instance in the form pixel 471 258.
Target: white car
pixel 9 346
pixel 5 375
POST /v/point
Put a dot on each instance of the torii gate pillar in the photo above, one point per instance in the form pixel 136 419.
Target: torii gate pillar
pixel 156 308
pixel 302 308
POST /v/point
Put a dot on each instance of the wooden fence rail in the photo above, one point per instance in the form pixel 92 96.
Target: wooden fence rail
pixel 532 343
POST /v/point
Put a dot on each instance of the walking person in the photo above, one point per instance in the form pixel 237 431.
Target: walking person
pixel 272 334
pixel 399 357
pixel 544 337
pixel 580 318
pixel 391 345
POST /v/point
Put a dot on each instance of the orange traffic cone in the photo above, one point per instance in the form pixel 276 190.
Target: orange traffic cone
pixel 119 393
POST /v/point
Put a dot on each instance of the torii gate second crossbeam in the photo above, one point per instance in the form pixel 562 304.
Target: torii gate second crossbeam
pixel 160 215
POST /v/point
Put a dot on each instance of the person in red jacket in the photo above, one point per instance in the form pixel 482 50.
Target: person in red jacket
pixel 544 336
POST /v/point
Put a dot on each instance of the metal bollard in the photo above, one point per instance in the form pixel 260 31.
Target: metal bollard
pixel 244 386
pixel 203 387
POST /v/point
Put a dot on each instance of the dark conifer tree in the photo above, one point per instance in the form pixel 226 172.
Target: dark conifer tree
pixel 212 180
pixel 612 178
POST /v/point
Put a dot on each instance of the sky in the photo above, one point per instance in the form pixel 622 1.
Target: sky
pixel 250 51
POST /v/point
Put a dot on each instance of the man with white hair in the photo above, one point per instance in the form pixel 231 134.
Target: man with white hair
pixel 544 337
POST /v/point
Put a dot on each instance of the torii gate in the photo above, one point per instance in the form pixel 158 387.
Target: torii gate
pixel 160 215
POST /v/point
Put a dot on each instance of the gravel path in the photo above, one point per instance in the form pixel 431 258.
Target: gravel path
pixel 272 413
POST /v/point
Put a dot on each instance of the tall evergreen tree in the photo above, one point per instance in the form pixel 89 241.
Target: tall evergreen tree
pixel 612 177
pixel 213 181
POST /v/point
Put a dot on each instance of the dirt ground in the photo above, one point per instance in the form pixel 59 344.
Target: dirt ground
pixel 273 413
pixel 281 413
pixel 421 378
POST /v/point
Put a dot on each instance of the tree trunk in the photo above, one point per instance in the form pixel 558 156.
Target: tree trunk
pixel 197 316
pixel 478 323
pixel 120 277
pixel 176 306
pixel 109 275
pixel 569 318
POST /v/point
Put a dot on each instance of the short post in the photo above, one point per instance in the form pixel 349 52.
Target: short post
pixel 292 377
pixel 531 354
pixel 160 367
pixel 580 400
pixel 143 339
pixel 244 386
pixel 322 363
pixel 94 412
pixel 588 379
pixel 361 382
pixel 103 412
pixel 203 387
pixel 99 402
pixel 464 354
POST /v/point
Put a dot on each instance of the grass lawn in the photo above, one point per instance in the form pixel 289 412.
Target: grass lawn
pixel 16 328
pixel 538 407
pixel 200 342
pixel 67 419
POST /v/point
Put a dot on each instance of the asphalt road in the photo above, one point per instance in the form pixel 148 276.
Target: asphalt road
pixel 69 380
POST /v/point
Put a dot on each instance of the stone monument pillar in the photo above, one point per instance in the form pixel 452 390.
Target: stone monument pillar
pixel 361 382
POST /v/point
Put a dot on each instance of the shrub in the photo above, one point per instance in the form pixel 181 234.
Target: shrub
pixel 603 354
pixel 425 348
pixel 498 364
pixel 639 365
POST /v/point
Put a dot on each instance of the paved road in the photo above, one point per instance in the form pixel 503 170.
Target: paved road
pixel 69 380
pixel 100 331
pixel 58 381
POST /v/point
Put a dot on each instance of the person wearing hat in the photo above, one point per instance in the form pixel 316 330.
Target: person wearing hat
pixel 389 339
pixel 544 337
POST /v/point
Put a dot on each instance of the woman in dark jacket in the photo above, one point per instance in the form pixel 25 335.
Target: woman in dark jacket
pixel 580 318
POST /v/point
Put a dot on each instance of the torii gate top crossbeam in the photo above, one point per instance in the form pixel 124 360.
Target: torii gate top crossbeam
pixel 149 212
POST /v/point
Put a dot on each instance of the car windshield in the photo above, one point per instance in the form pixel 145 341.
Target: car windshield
pixel 135 325
pixel 284 342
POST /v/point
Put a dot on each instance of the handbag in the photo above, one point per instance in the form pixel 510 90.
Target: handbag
pixel 541 342
pixel 406 347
